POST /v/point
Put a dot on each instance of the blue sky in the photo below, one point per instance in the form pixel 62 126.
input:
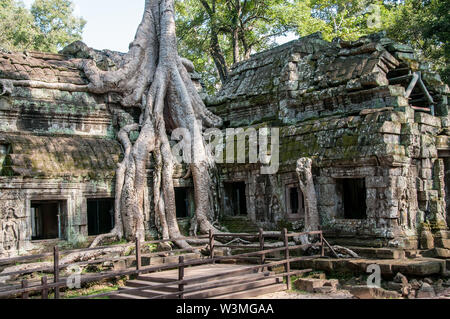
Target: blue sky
pixel 111 24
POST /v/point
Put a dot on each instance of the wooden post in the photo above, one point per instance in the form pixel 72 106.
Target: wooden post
pixel 287 266
pixel 138 254
pixel 25 295
pixel 181 276
pixel 56 270
pixel 211 244
pixel 322 245
pixel 261 246
pixel 44 287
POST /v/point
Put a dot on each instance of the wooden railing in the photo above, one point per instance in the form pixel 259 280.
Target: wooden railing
pixel 183 284
pixel 54 270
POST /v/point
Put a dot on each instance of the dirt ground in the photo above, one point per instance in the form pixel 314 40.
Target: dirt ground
pixel 341 294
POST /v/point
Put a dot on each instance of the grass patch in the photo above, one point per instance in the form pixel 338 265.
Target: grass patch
pixel 94 290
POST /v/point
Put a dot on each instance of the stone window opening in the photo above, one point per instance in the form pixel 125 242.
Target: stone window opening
pixel 184 202
pixel 417 93
pixel 351 194
pixel 100 213
pixel 235 199
pixel 48 220
pixel 295 201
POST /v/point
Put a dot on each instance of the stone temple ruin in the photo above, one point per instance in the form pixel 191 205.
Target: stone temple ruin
pixel 370 114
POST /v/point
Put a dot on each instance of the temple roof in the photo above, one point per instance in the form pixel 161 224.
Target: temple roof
pixel 59 156
pixel 311 77
pixel 45 67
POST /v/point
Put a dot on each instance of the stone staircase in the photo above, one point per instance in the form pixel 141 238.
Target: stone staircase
pixel 246 285
pixel 239 224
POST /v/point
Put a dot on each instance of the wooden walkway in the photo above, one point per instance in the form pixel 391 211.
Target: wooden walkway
pixel 217 281
pixel 205 277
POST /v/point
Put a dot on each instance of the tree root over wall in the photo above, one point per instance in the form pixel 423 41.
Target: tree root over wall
pixel 154 79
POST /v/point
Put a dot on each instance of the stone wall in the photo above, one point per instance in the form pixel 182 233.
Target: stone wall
pixel 344 104
pixel 17 194
pixel 56 145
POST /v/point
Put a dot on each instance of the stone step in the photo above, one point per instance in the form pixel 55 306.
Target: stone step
pixel 441 242
pixel 389 267
pixel 437 253
pixel 379 253
pixel 444 234
pixel 253 292
pixel 239 224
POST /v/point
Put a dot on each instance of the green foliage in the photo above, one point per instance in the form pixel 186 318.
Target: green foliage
pixel 240 27
pixel 56 23
pixel 16 25
pixel 423 24
pixel 426 26
pixel 49 26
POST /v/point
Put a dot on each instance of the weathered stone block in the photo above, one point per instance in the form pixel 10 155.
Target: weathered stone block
pixel 428 119
pixel 426 291
pixel 391 128
pixel 378 181
pixel 442 242
pixel 316 285
pixel 426 240
pixel 365 292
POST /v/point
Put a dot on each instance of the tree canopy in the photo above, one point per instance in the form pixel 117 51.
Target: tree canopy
pixel 48 26
pixel 214 34
pixel 217 33
pixel 426 26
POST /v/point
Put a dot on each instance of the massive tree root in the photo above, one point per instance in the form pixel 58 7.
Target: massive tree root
pixel 305 177
pixel 312 218
pixel 154 78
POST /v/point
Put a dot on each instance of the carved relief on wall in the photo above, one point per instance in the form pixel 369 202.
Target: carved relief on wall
pixel 261 199
pixel 12 223
pixel 405 220
pixel 10 231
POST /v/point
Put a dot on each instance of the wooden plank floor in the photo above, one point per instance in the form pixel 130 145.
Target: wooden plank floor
pixel 195 272
pixel 249 282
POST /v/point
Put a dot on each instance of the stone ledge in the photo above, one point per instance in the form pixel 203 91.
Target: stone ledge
pixel 389 267
pixel 364 292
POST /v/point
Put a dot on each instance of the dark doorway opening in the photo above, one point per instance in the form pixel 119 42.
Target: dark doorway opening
pixel 182 202
pixel 447 186
pixel 296 205
pixel 352 193
pixel 100 216
pixel 236 201
pixel 47 220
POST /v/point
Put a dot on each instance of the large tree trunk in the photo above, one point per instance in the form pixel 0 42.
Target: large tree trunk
pixel 304 172
pixel 216 51
pixel 154 78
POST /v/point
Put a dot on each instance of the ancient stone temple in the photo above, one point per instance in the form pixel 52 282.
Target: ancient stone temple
pixel 58 154
pixel 370 114
pixel 373 118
